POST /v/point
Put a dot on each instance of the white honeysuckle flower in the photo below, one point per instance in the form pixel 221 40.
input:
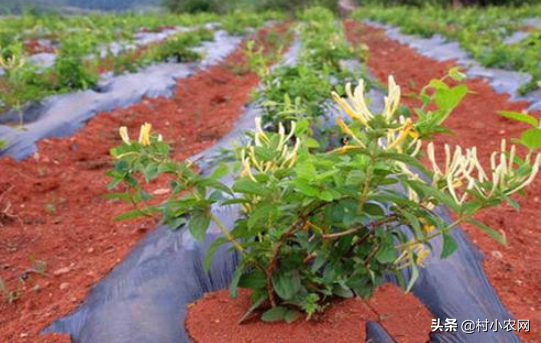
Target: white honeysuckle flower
pixel 392 101
pixel 124 135
pixel 357 98
pixel 356 108
pixel 260 135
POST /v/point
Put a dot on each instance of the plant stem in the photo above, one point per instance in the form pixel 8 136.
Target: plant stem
pixel 376 223
pixel 434 235
pixel 226 233
pixel 367 181
pixel 274 260
pixel 276 250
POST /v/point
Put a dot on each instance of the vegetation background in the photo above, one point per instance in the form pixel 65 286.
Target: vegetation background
pixel 74 6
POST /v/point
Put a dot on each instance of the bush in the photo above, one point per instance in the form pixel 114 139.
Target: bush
pixel 194 6
pixel 447 2
pixel 319 225
pixel 72 70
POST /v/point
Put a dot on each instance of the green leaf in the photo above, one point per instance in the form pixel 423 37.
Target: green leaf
pixel 264 153
pixel 513 203
pixel 117 196
pixel 261 214
pixel 291 316
pixel 489 231
pixel 448 99
pixel 456 74
pixel 287 284
pixel 361 286
pixel 413 223
pixel 220 171
pixel 130 215
pixel 449 245
pixel 275 314
pixel 305 188
pixel 216 185
pixel 248 186
pixel 342 292
pixel 234 285
pixel 413 277
pixel 254 307
pixel 387 253
pixel 447 200
pixel 373 209
pixel 325 196
pixel 532 138
pixel 254 280
pixel 522 117
pixel 211 251
pixel 413 162
pixel 311 143
pixel 199 223
pixel 438 84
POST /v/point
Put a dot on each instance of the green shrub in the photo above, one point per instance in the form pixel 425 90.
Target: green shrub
pixel 319 225
pixel 72 70
pixel 194 6
pixel 448 2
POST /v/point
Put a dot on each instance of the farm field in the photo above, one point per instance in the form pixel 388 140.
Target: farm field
pixel 317 171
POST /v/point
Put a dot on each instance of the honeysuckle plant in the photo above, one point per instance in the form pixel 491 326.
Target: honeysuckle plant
pixel 318 225
pixel 16 92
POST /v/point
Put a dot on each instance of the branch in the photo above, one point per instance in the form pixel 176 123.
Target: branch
pixel 388 219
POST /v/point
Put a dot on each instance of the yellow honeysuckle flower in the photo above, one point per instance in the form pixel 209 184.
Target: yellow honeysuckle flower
pixel 144 134
pixel 405 131
pixel 428 227
pixel 414 134
pixel 124 135
pixel 247 170
pixel 422 254
pixel 347 108
pixel 345 148
pixel 348 131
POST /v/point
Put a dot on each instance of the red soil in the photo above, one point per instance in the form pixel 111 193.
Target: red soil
pixel 157 29
pixel 52 206
pixel 214 319
pixel 32 47
pixel 515 270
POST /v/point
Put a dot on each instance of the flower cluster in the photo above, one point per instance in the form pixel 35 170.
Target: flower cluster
pixel 12 63
pixel 357 109
pixel 284 155
pixel 463 173
pixel 144 135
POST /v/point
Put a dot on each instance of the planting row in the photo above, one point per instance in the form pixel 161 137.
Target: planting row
pixel 498 37
pixel 105 28
pixel 84 48
pixel 53 223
